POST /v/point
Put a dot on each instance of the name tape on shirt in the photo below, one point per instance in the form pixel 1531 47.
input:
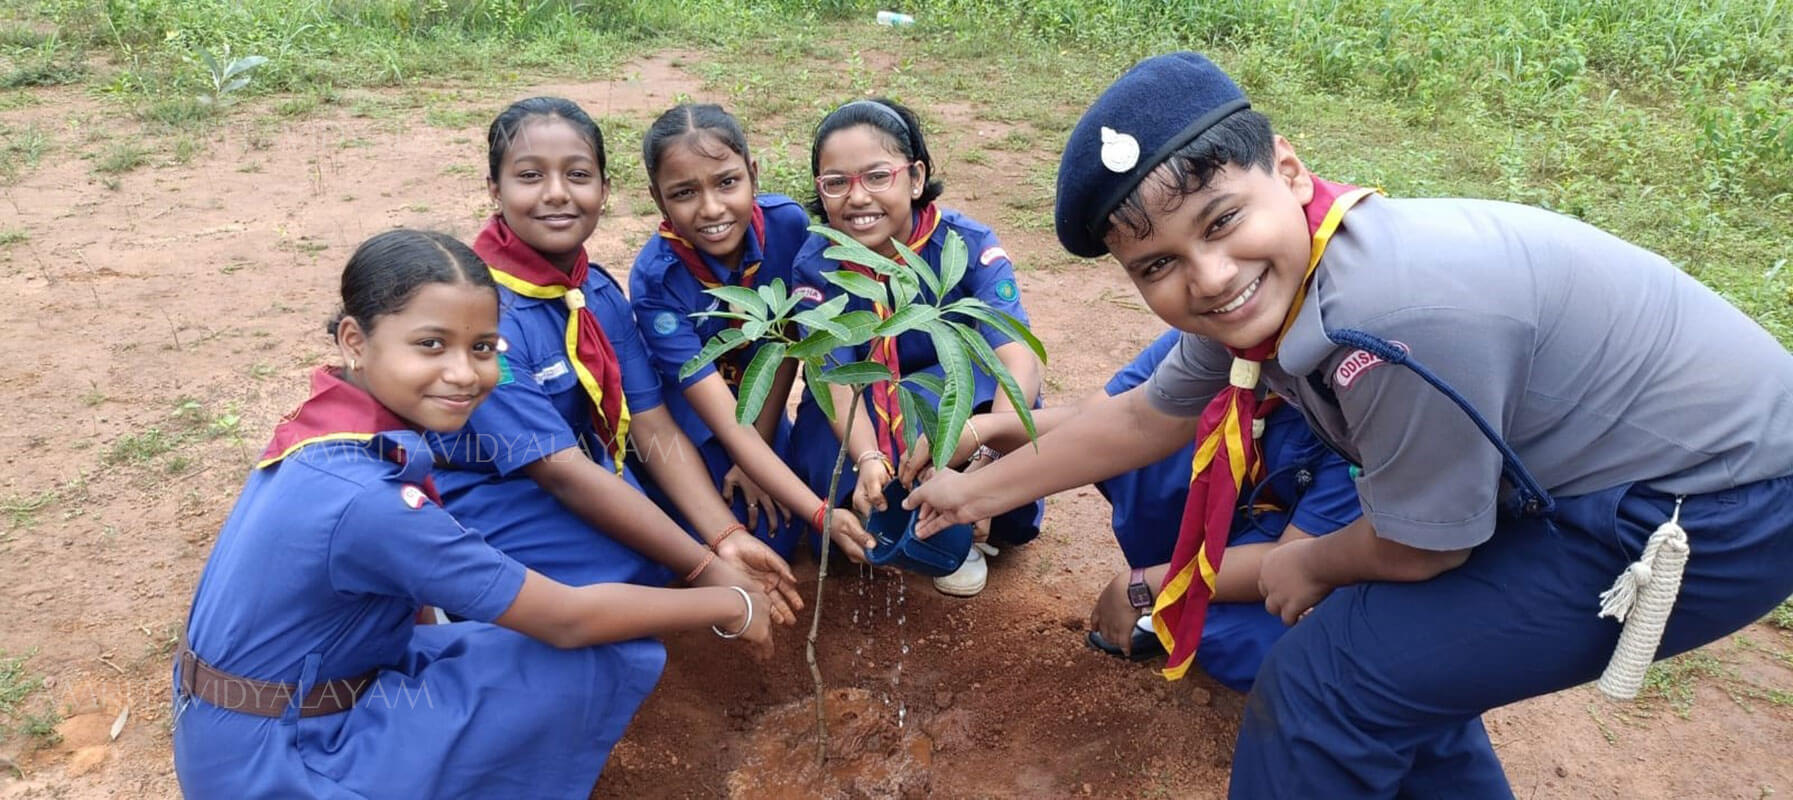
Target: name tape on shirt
pixel 550 372
pixel 991 254
pixel 413 496
pixel 1356 363
pixel 810 293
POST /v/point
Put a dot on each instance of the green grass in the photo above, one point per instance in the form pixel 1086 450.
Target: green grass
pixel 142 447
pixel 12 236
pixel 17 684
pixel 1782 615
pixel 120 158
pixel 1673 681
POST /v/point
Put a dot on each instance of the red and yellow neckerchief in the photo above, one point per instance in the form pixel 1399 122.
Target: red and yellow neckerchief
pixel 729 364
pixel 887 410
pixel 519 268
pixel 1226 457
pixel 337 411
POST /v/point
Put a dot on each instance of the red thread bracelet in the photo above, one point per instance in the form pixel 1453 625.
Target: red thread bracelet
pixel 727 532
pixel 818 521
pixel 699 569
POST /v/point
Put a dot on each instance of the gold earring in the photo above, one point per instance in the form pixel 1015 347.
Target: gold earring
pixel 354 367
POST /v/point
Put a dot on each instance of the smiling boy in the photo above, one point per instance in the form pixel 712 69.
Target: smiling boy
pixel 1527 398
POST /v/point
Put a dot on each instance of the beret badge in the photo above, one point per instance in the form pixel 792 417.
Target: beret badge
pixel 1120 152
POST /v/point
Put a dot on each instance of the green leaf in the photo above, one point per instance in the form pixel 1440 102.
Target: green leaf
pixel 961 387
pixel 812 380
pixel 908 319
pixel 719 344
pixel 742 299
pixel 982 352
pixel 243 65
pixel 953 260
pixel 772 302
pixel 754 329
pixel 919 267
pixel 859 325
pixel 928 381
pixel 1002 322
pixel 756 382
pixel 786 300
pixel 913 407
pixel 814 346
pixel 723 315
pixel 820 322
pixel 858 373
pixel 858 285
pixel 846 248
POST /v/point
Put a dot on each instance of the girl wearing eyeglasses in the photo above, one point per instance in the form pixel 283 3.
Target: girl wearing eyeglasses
pixel 875 182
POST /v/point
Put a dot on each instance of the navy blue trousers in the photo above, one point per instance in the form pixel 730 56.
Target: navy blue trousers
pixel 1379 692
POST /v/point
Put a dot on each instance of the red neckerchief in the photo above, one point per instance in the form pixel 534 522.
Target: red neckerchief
pixel 336 411
pixel 887 408
pixel 517 266
pixel 729 364
pixel 1226 456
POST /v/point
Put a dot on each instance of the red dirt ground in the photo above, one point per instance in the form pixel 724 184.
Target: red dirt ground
pixel 187 299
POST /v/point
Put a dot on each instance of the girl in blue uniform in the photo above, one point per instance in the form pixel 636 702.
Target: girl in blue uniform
pixel 717 232
pixel 541 467
pixel 875 182
pixel 303 673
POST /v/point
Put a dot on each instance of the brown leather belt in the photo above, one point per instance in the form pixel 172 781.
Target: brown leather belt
pixel 265 698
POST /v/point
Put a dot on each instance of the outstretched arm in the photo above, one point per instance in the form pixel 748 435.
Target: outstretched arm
pixel 1103 439
pixel 580 616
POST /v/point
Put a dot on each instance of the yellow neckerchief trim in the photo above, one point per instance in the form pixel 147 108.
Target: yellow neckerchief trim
pixel 329 437
pixel 1178 586
pixel 575 300
pixel 747 273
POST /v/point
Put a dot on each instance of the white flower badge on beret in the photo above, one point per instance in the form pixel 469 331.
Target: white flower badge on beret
pixel 1120 152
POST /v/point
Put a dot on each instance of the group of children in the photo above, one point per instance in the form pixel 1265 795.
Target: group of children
pixel 1478 413
pixel 500 448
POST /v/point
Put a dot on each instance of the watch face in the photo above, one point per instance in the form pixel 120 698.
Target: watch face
pixel 1139 595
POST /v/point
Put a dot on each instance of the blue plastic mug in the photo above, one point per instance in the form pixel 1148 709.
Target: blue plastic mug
pixel 894 528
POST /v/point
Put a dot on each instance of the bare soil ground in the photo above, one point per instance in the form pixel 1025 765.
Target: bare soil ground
pixel 164 317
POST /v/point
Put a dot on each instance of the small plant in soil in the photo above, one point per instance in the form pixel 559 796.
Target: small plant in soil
pixel 911 290
pixel 227 77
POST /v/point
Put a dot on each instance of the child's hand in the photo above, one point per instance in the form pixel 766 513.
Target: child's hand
pixel 1289 587
pixel 918 461
pixel 759 629
pixel 1114 616
pixel 944 502
pixel 763 571
pixel 869 494
pixel 757 499
pixel 849 535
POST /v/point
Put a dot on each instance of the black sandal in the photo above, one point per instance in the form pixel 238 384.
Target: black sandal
pixel 1145 645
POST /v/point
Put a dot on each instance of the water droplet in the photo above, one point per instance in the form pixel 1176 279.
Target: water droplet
pixel 905 652
pixel 902 712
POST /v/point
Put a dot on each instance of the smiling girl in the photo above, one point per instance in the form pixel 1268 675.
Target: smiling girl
pixel 875 182
pixel 543 468
pixel 717 231
pixel 303 673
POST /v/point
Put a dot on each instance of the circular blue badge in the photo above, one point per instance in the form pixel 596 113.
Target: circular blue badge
pixel 665 323
pixel 1006 290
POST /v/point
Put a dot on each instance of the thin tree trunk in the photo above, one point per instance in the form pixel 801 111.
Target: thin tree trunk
pixel 815 620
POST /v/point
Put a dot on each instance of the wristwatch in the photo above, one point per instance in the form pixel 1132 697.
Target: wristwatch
pixel 1138 593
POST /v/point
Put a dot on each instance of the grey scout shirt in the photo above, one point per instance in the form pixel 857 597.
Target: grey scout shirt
pixel 1598 362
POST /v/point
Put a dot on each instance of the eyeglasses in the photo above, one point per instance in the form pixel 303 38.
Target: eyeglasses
pixel 874 181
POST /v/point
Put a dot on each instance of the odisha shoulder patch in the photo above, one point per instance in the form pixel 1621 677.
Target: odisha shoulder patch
pixel 1356 363
pixel 991 255
pixel 413 496
pixel 810 293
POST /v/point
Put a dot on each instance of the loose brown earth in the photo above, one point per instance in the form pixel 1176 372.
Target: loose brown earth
pixel 181 296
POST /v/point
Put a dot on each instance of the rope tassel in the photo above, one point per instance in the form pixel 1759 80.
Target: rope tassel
pixel 1641 599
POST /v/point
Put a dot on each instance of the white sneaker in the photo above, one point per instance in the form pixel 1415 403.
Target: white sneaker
pixel 969 578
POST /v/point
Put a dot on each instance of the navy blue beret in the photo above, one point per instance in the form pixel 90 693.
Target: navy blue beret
pixel 1161 104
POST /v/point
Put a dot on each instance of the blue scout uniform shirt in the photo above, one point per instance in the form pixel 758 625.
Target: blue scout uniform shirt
pixel 330 552
pixel 1148 502
pixel 989 276
pixel 538 407
pixel 1597 361
pixel 664 294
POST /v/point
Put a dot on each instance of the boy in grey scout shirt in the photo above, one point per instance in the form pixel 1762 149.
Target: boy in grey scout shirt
pixel 1528 397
